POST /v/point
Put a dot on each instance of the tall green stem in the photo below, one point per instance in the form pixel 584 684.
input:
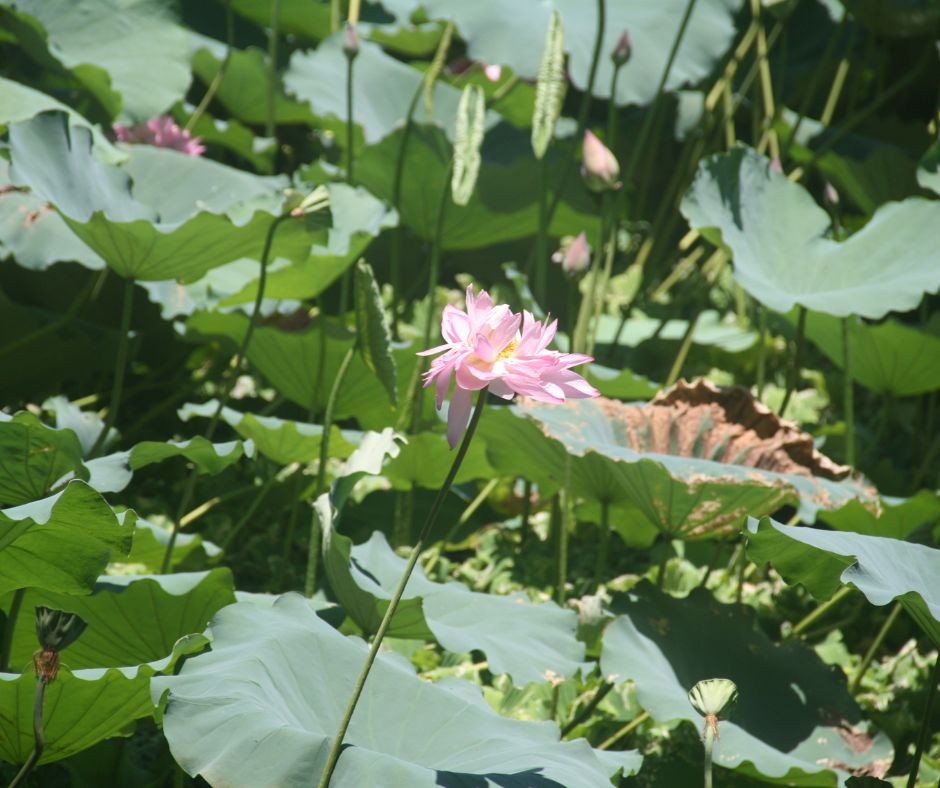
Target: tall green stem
pixel 603 543
pixel 794 372
pixel 820 611
pixel 925 720
pixel 565 522
pixel 761 349
pixel 120 367
pixel 540 273
pixel 849 394
pixel 873 648
pixel 190 488
pixel 38 736
pixel 350 60
pixel 8 626
pixel 399 591
pixel 216 82
pixel 684 346
pixel 313 547
pixel 272 67
pixel 709 745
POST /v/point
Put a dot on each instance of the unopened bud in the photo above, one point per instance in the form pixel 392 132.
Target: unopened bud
pixel 830 195
pixel 599 166
pixel 574 255
pixel 622 49
pixel 775 165
pixel 351 40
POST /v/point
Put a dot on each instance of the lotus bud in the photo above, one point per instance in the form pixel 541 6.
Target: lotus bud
pixel 468 137
pixel 714 699
pixel 493 72
pixel 314 202
pixel 775 165
pixel 599 166
pixel 574 255
pixel 830 195
pixel 351 40
pixel 622 49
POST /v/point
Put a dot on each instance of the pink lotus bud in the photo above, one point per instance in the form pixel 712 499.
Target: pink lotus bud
pixel 622 50
pixel 830 195
pixel 599 166
pixel 775 165
pixel 351 40
pixel 493 72
pixel 161 132
pixel 574 256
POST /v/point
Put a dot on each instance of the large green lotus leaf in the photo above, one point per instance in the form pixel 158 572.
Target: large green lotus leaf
pixel 129 53
pixel 33 457
pixel 150 542
pixel 620 383
pixel 928 173
pixel 82 707
pixel 776 234
pixel 97 202
pixel 711 330
pixel 290 360
pixel 504 206
pixel 898 517
pixel 262 707
pixel 282 440
pixel 243 91
pixel 883 569
pixel 358 218
pixel 514 35
pixel 666 645
pixel 425 459
pixel 207 457
pixel 364 577
pixel 131 620
pixel 889 358
pixel 61 543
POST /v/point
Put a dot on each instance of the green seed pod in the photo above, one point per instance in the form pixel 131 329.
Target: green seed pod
pixel 57 629
pixel 714 697
pixel 549 88
pixel 437 66
pixel 471 115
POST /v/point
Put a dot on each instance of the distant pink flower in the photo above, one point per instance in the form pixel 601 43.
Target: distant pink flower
pixel 623 49
pixel 492 347
pixel 493 72
pixel 161 132
pixel 775 165
pixel 575 256
pixel 598 165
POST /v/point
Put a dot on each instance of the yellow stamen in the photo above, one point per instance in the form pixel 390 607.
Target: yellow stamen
pixel 507 351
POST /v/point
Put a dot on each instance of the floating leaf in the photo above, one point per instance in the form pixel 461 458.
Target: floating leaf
pixel 882 569
pixel 549 87
pixel 61 543
pixel 896 518
pixel 776 233
pixel 208 457
pixel 150 542
pixel 372 333
pixel 468 137
pixel 233 715
pixel 666 645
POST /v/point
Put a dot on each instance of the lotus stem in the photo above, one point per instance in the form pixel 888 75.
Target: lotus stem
pixel 565 522
pixel 120 367
pixel 683 352
pixel 333 756
pixel 6 646
pixel 541 238
pixel 249 512
pixel 350 60
pixel 313 546
pixel 766 84
pixel 761 350
pixel 873 648
pixel 38 736
pixel 603 543
pixel 626 730
pixel 849 394
pixel 602 691
pixel 464 518
pixel 924 734
pixel 820 611
pixel 272 67
pixel 216 82
pixel 795 364
pixel 709 742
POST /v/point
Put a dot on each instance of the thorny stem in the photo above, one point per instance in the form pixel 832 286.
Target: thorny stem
pixel 120 367
pixel 399 591
pixel 38 736
pixel 313 546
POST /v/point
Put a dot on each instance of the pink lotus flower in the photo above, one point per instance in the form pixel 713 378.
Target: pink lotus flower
pixel 493 72
pixel 598 165
pixel 161 132
pixel 492 347
pixel 574 256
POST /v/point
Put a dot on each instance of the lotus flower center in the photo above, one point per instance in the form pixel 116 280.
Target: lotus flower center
pixel 507 351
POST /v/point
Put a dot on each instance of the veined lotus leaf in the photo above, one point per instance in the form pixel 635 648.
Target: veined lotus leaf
pixel 60 543
pixel 514 36
pixel 82 707
pixel 282 440
pixel 290 360
pixel 883 569
pixel 711 329
pixel 889 358
pixel 503 206
pixel 776 234
pixel 666 645
pixel 897 518
pixel 363 578
pixel 695 460
pixel 34 456
pixel 262 707
pixel 131 56
pixel 175 236
pixel 132 620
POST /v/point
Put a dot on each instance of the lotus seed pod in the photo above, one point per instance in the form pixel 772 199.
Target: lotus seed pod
pixel 471 115
pixel 549 88
pixel 599 166
pixel 622 49
pixel 714 697
pixel 574 255
pixel 57 629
